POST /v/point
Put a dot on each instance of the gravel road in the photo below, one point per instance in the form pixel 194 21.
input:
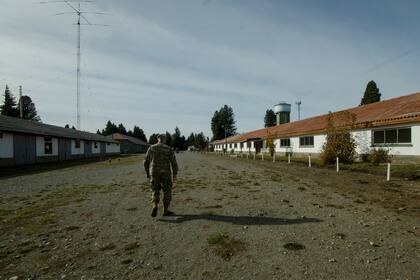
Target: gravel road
pixel 236 219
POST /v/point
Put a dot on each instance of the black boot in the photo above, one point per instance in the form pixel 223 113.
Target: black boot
pixel 166 211
pixel 154 209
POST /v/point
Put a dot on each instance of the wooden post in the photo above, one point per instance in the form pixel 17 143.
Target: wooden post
pixel 388 172
pixel 288 158
pixel 309 160
pixel 274 157
pixel 255 154
pixel 262 156
pixel 338 165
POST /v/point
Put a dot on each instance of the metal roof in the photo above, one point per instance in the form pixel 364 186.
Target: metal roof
pixel 121 137
pixel 11 124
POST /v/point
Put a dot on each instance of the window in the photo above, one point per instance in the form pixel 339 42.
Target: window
pixel 77 143
pixel 392 136
pixel 1 135
pixel 95 144
pixel 48 145
pixel 235 145
pixel 248 145
pixel 241 145
pixel 285 142
pixel 306 141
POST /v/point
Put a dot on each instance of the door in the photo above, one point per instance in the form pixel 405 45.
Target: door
pixel 24 149
pixel 88 149
pixel 258 145
pixel 103 149
pixel 61 149
pixel 68 149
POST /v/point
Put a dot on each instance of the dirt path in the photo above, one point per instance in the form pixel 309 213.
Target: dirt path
pixel 238 219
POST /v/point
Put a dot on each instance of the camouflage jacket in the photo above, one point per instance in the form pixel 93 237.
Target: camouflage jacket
pixel 161 158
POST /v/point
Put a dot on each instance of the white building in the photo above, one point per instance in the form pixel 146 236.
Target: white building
pixel 27 142
pixel 392 124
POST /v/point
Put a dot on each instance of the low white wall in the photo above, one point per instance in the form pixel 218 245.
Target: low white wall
pixel 77 151
pixel 96 150
pixel 364 141
pixel 40 147
pixel 112 148
pixel 6 145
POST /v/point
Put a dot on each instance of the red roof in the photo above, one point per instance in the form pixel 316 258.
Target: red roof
pixel 399 110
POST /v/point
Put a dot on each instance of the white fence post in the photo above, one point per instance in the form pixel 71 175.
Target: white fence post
pixel 338 165
pixel 388 172
pixel 274 157
pixel 288 158
pixel 255 154
pixel 262 156
pixel 309 161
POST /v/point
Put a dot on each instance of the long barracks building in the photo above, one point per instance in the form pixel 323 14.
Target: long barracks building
pixel 25 142
pixel 393 124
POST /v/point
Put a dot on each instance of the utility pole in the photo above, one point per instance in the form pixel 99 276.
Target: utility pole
pixel 298 103
pixel 78 68
pixel 20 103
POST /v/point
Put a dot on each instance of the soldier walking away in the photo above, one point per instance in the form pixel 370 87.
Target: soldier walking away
pixel 160 159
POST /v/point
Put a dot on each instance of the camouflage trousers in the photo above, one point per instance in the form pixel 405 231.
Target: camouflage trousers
pixel 163 183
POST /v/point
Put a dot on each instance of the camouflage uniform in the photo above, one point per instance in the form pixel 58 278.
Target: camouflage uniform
pixel 162 158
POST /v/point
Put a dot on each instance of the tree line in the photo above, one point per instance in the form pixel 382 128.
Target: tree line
pixel 12 108
pixel 175 140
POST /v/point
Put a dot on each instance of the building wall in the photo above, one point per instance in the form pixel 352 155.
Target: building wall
pixel 77 151
pixel 40 147
pixel 96 150
pixel 112 148
pixel 6 146
pixel 363 138
pixel 364 141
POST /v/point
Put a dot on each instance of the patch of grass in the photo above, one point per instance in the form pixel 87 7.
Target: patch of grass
pixel 72 228
pixel 110 246
pixel 225 246
pixel 126 261
pixel 293 246
pixel 26 247
pixel 132 209
pixel 131 246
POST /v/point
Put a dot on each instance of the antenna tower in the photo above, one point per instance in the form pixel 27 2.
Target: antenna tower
pixel 80 15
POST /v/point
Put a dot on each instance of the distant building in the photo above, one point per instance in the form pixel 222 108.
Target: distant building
pixel 25 142
pixel 392 124
pixel 130 145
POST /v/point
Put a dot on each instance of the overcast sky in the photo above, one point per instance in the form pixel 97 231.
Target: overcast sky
pixel 172 63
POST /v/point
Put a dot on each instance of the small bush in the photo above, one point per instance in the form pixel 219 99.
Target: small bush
pixel 377 156
pixel 232 152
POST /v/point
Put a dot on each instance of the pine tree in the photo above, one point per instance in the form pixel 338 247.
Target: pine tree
pixel 270 118
pixel 9 106
pixel 121 129
pixel 68 126
pixel 28 109
pixel 371 95
pixel 109 129
pixel 139 133
pixel 223 122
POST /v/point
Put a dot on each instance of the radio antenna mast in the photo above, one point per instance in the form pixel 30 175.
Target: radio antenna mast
pixel 80 15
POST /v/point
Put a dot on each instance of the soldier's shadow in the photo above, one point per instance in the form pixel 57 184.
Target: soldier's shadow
pixel 239 220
